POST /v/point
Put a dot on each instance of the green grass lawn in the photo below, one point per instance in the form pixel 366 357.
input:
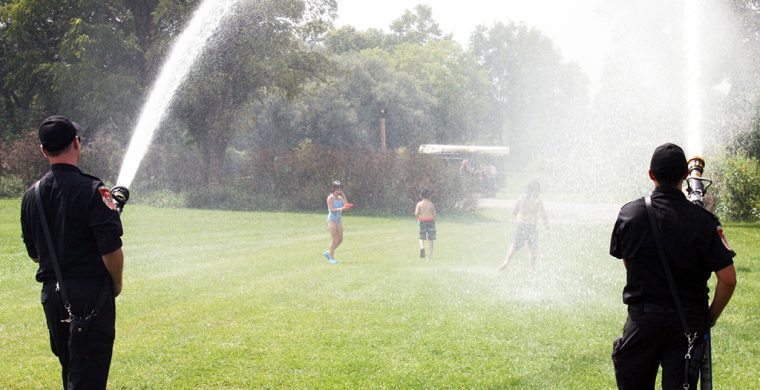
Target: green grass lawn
pixel 216 299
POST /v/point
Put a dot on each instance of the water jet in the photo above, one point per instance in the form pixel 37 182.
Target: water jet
pixel 184 53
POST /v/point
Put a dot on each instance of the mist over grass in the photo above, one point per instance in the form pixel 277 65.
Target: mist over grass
pixel 216 299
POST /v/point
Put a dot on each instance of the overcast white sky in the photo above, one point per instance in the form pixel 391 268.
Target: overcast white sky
pixel 574 25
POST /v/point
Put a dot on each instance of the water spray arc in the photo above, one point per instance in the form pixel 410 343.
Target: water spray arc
pixel 693 73
pixel 189 46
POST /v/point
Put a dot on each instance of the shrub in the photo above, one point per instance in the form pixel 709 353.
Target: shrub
pixel 224 197
pixel 101 157
pixel 23 159
pixel 264 179
pixel 299 179
pixel 11 186
pixel 160 198
pixel 450 188
pixel 169 165
pixel 737 187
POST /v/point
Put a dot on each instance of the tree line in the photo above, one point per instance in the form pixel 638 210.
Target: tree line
pixel 279 73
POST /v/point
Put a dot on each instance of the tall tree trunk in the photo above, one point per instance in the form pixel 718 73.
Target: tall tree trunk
pixel 213 149
pixel 142 13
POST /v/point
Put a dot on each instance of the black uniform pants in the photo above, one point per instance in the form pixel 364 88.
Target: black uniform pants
pixel 85 359
pixel 651 338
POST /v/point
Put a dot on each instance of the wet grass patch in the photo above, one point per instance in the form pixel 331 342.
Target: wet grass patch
pixel 216 299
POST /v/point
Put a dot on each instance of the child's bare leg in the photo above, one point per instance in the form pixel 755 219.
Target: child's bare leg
pixel 533 257
pixel 431 248
pixel 510 253
pixel 336 237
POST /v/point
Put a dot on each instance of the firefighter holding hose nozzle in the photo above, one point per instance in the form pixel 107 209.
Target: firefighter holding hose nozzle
pixel 670 246
pixel 71 227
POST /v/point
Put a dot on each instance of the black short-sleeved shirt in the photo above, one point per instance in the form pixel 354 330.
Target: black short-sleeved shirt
pixel 694 244
pixel 83 222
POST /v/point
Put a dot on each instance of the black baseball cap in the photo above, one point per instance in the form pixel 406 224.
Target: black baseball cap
pixel 57 132
pixel 668 161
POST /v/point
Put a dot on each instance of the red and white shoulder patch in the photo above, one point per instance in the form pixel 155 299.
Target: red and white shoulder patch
pixel 723 238
pixel 108 199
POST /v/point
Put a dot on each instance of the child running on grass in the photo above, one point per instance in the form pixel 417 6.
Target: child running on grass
pixel 425 213
pixel 527 211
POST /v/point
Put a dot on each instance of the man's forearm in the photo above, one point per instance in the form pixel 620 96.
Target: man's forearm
pixel 724 288
pixel 723 292
pixel 114 263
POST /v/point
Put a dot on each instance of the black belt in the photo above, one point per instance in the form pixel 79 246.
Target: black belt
pixel 94 280
pixel 653 308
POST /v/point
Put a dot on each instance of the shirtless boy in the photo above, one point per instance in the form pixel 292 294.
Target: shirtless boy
pixel 425 213
pixel 527 211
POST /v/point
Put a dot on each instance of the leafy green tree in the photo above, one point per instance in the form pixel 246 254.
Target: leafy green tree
pixel 348 39
pixel 263 48
pixel 372 88
pixel 6 105
pixel 749 141
pixel 417 27
pixel 30 34
pixel 737 187
pixel 88 59
pixel 533 88
pixel 458 84
pixel 428 88
pixel 430 92
pixel 344 110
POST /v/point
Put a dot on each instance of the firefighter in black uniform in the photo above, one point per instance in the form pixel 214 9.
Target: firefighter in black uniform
pixel 86 229
pixel 696 247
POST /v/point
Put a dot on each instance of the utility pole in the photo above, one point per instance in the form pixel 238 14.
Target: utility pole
pixel 382 130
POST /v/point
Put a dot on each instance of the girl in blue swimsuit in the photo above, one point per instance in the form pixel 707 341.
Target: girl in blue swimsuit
pixel 336 202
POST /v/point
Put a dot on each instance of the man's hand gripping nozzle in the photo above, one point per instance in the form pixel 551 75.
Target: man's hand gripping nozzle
pixel 121 195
